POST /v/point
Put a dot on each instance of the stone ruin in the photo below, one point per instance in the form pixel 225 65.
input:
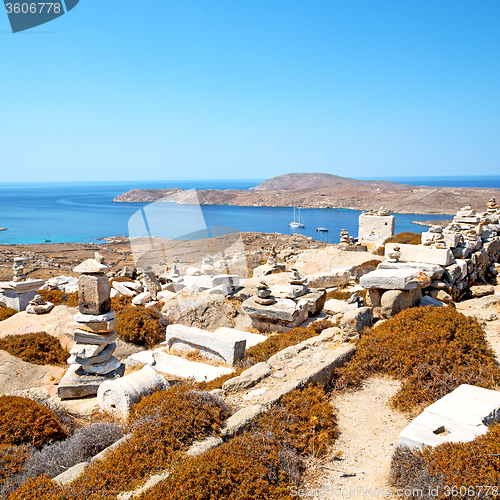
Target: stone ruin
pixel 92 361
pixel 19 292
pixel 375 226
pixel 450 262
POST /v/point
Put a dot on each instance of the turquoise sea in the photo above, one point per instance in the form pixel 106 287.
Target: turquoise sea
pixel 84 212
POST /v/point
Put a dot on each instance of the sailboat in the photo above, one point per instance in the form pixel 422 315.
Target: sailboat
pixel 296 223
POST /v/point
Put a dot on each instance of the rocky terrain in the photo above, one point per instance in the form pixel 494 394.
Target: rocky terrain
pixel 330 191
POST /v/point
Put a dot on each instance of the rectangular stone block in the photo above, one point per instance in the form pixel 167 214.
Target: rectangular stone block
pixel 451 240
pixel 204 281
pixel 395 279
pixel 227 345
pixel 100 327
pixel 251 338
pixel 93 294
pixel 94 318
pixel 419 253
pixel 432 270
pixel 336 277
pixel 371 226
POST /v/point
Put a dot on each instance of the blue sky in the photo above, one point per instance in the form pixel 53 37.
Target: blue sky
pixel 192 89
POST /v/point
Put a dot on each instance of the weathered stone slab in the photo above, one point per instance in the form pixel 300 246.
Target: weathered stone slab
pixel 335 306
pixel 69 475
pixel 76 384
pixel 111 365
pixel 227 346
pixel 98 357
pixel 432 270
pixel 336 277
pixel 22 286
pixel 84 337
pixel 94 318
pixel 252 339
pixel 142 298
pixel 451 240
pixel 395 279
pixel 124 290
pixel 151 283
pixel 91 266
pixel 430 301
pixel 248 378
pixel 419 253
pixel 86 350
pixel 177 366
pixel 314 300
pixel 460 416
pixel 282 309
pixel 353 322
pixel 96 327
pixel 395 301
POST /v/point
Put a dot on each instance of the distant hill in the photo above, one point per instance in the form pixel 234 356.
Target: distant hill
pixel 318 190
pixel 300 181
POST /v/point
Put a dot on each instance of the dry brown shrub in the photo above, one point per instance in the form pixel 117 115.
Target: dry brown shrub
pixel 303 420
pixel 7 312
pixel 140 325
pixel 120 302
pixel 466 466
pixel 263 463
pixel 23 421
pixel 345 295
pixel 279 341
pixel 41 488
pixel 163 425
pixel 431 350
pixel 405 238
pixel 37 348
pixel 60 298
pixel 12 459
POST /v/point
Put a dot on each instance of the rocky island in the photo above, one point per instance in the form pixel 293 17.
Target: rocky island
pixel 331 191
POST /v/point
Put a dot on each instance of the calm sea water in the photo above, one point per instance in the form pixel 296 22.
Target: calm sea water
pixel 85 212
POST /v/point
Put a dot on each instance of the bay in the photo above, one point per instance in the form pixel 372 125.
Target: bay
pixel 83 212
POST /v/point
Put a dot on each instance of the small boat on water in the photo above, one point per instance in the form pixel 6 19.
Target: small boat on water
pixel 322 229
pixel 47 241
pixel 296 223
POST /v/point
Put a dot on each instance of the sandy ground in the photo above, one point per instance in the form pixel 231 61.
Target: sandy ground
pixel 369 431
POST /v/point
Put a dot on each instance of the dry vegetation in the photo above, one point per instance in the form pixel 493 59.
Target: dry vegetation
pixel 36 348
pixel 464 465
pixel 140 325
pixel 59 298
pixel 7 312
pixel 22 421
pixel 406 238
pixel 431 350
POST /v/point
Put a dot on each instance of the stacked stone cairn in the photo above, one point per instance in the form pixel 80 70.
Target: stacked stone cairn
pixel 263 295
pixel 18 270
pixel 344 237
pixel 297 286
pixel 39 306
pixel 92 361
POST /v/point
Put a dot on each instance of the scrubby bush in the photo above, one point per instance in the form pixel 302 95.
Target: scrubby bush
pixel 60 298
pixel 303 420
pixel 405 238
pixel 464 465
pixel 431 350
pixel 140 325
pixel 120 303
pixel 275 343
pixel 41 488
pixel 12 459
pixel 23 421
pixel 345 294
pixel 249 467
pixel 57 457
pixel 163 425
pixel 7 312
pixel 38 348
pixel 263 463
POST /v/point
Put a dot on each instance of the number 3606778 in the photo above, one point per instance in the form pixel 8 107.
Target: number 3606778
pixel 33 8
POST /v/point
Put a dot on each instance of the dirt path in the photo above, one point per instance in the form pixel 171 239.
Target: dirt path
pixel 369 434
